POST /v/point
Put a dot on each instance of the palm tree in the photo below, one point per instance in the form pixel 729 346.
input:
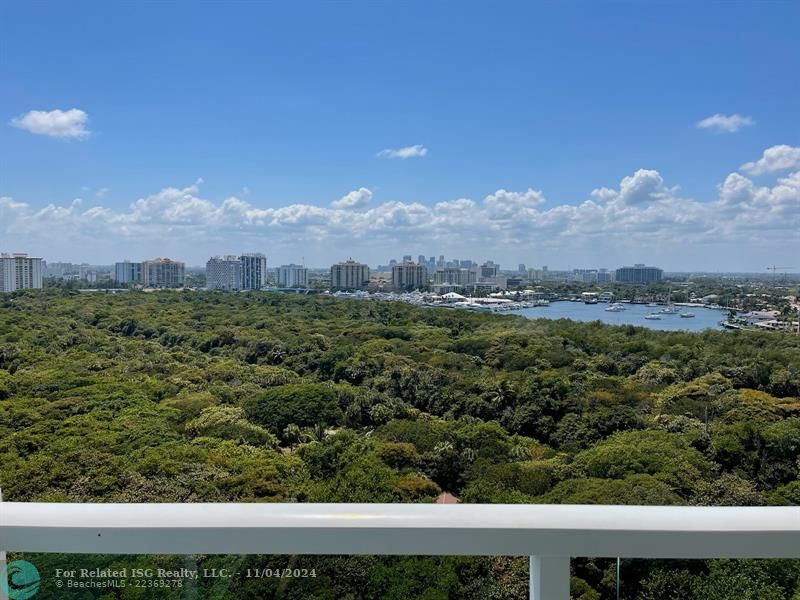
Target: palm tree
pixel 443 447
pixel 520 453
pixel 292 435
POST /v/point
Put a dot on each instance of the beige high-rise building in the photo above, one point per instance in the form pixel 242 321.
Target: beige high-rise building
pixel 20 272
pixel 454 276
pixel 163 273
pixel 349 275
pixel 409 276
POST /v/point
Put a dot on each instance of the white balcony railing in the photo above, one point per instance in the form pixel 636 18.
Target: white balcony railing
pixel 549 534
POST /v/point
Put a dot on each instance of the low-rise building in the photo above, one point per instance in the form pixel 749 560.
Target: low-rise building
pixel 481 287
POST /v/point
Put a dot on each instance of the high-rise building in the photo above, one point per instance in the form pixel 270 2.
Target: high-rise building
pixel 409 276
pixel 605 276
pixel 20 272
pixel 454 276
pixel 163 273
pixel 293 276
pixel 488 270
pixel 254 271
pixel 584 275
pixel 224 273
pixel 60 269
pixel 639 273
pixel 522 268
pixel 128 272
pixel 349 275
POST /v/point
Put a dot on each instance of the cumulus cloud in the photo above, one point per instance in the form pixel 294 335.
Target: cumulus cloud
pixel 355 199
pixel 65 124
pixel 645 185
pixel 405 152
pixel 512 205
pixel 642 211
pixel 725 123
pixel 776 158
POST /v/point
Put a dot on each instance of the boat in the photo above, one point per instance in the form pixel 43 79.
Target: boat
pixel 616 307
pixel 670 308
pixel 687 315
pixel 653 317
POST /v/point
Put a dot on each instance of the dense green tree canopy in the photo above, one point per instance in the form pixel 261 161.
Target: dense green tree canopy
pixel 206 397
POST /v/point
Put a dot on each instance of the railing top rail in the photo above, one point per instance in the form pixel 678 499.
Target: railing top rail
pixel 560 530
pixel 434 516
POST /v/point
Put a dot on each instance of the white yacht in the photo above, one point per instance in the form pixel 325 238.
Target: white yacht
pixel 653 317
pixel 616 307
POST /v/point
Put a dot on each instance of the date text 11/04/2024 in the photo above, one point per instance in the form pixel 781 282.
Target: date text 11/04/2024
pixel 183 573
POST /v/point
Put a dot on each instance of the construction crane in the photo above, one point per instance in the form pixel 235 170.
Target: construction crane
pixel 775 270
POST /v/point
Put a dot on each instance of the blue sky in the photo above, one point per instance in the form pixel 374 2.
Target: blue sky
pixel 283 109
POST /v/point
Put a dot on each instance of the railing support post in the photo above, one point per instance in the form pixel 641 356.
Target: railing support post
pixel 3 595
pixel 549 577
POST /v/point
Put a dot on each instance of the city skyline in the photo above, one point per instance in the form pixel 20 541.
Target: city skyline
pixel 595 137
pixel 449 262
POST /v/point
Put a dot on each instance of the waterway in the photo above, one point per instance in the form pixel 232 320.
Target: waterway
pixel 634 314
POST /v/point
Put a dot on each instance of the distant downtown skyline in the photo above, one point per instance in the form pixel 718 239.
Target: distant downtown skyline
pixel 386 265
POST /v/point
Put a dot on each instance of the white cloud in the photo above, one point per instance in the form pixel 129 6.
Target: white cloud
pixel 405 152
pixel 725 123
pixel 103 192
pixel 68 124
pixel 776 158
pixel 641 214
pixel 355 199
pixel 645 185
pixel 511 205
